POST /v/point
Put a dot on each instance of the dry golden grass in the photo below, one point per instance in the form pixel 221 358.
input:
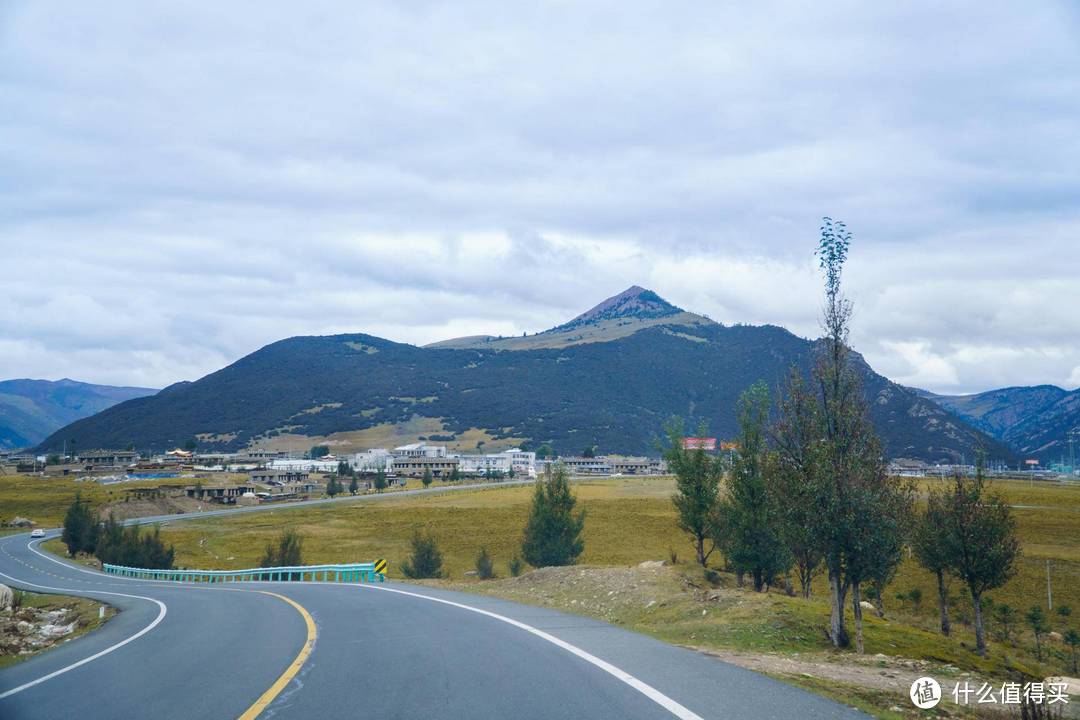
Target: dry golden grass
pixel 390 435
pixel 45 500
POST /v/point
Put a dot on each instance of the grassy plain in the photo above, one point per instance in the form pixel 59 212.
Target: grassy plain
pixel 631 520
pixel 45 499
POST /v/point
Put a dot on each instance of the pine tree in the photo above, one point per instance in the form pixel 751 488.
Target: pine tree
pixel 80 528
pixel 485 568
pixel 427 477
pixel 354 484
pixel 426 559
pixel 380 480
pixel 553 532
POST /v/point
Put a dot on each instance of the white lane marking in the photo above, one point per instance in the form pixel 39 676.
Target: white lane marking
pixel 30 546
pixel 161 616
pixel 642 687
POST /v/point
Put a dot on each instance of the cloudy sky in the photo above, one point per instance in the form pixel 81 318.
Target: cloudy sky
pixel 181 184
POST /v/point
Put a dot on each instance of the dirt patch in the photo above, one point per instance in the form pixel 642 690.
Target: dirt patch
pixel 607 593
pixel 151 506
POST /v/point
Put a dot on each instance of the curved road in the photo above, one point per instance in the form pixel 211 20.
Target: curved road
pixel 393 650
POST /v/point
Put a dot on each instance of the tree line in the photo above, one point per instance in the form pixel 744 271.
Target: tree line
pixel 807 492
pixel 112 542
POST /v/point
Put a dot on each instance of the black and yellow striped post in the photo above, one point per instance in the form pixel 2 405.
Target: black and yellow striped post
pixel 380 569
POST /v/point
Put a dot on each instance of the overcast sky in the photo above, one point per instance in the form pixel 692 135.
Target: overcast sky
pixel 181 184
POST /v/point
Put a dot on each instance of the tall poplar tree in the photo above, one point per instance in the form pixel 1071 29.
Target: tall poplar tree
pixel 749 519
pixel 697 487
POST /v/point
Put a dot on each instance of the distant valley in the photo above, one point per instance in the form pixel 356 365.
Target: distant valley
pixel 31 410
pixel 1035 421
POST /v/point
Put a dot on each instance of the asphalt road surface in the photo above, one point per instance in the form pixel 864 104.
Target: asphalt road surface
pixel 177 651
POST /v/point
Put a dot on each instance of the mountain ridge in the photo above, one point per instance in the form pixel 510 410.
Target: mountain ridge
pixel 1035 420
pixel 611 379
pixel 30 410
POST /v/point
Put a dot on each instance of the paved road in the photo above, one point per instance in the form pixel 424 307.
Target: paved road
pixel 393 650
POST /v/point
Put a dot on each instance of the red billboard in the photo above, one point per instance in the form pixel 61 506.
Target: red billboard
pixel 702 443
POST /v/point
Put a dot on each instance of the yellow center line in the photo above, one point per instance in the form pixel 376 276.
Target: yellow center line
pixel 290 672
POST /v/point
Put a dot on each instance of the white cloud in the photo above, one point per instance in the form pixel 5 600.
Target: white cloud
pixel 421 171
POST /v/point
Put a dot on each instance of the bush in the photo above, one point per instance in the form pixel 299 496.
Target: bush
pixel 1005 617
pixel 485 569
pixel 426 560
pixel 516 566
pixel 288 551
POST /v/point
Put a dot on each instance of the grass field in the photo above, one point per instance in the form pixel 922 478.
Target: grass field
pixel 630 520
pixel 45 500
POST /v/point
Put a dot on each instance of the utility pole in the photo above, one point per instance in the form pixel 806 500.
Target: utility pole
pixel 1049 590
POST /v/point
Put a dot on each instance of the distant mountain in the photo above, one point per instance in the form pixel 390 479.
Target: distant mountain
pixel 30 410
pixel 610 377
pixel 619 316
pixel 1035 421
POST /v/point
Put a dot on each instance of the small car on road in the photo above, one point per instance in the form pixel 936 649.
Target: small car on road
pixel 37 532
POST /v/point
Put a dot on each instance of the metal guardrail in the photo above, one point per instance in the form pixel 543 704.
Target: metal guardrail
pixel 343 573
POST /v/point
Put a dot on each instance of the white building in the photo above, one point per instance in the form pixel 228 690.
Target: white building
pixel 480 464
pixel 520 461
pixel 523 461
pixel 300 465
pixel 372 460
pixel 420 450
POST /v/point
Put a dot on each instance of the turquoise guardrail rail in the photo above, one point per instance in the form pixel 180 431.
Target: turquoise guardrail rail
pixel 343 573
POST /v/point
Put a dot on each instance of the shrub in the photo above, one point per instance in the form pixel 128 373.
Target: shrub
pixel 485 569
pixel 1005 617
pixel 287 551
pixel 426 560
pixel 516 566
